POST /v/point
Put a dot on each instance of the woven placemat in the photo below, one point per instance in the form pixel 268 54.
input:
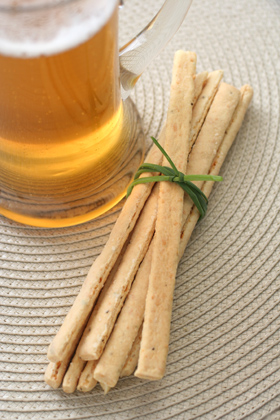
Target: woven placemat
pixel 224 352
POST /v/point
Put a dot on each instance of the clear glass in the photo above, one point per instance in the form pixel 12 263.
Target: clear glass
pixel 137 54
pixel 69 143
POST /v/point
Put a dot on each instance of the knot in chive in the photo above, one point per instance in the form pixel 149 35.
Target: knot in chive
pixel 171 174
pixel 181 177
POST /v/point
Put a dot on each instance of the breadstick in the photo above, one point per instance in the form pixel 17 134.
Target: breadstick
pixel 166 243
pixel 140 284
pixel 102 320
pixel 105 388
pixel 154 156
pixel 156 328
pixel 55 372
pixel 129 321
pixel 72 375
pixel 87 381
pixel 211 135
pixel 204 101
pixel 77 365
pixel 246 95
pixel 199 83
pixel 116 352
pixel 231 132
pixel 132 359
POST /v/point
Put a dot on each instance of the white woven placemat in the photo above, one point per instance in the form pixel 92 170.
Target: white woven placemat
pixel 224 352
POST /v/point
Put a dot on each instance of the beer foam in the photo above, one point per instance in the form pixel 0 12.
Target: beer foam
pixel 79 28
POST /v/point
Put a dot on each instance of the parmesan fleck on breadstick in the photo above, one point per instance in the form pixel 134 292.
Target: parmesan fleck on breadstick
pixel 87 381
pixel 156 329
pixel 102 321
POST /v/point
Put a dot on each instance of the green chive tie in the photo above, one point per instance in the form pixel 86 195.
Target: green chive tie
pixel 171 174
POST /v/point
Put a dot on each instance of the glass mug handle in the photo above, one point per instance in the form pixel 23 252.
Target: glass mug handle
pixel 137 54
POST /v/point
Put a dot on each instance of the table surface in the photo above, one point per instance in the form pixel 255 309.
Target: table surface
pixel 224 357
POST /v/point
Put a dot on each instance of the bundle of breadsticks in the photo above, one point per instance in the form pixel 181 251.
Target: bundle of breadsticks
pixel 119 323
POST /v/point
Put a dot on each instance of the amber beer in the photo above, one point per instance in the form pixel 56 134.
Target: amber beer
pixel 60 120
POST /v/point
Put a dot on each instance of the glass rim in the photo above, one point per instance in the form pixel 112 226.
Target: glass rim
pixel 16 7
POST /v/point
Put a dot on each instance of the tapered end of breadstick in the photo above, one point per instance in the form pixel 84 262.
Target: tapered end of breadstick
pixel 73 374
pixel 69 385
pixel 151 375
pixel 183 56
pixel 150 367
pixel 68 388
pixel 86 385
pixel 247 95
pixel 105 387
pixel 54 374
pixel 87 382
pixel 102 378
pixel 199 83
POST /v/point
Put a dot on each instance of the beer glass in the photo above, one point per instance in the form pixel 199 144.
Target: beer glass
pixel 70 137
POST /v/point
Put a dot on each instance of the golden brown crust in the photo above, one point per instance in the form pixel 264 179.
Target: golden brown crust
pixel 102 321
pixel 133 356
pixel 155 336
